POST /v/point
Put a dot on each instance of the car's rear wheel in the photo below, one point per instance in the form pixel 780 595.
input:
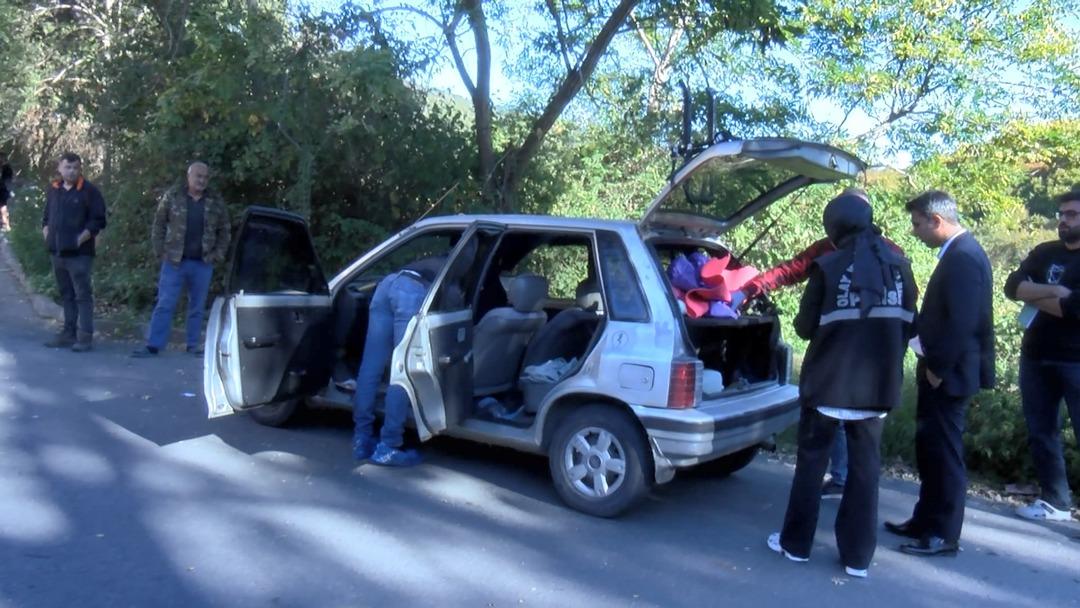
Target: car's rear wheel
pixel 726 465
pixel 277 414
pixel 598 458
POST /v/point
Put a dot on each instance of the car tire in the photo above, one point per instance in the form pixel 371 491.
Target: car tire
pixel 277 414
pixel 599 461
pixel 726 465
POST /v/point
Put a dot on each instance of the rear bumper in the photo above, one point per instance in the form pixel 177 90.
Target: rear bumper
pixel 683 438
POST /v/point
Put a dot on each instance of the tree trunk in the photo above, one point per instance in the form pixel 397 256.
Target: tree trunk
pixel 481 95
pixel 518 160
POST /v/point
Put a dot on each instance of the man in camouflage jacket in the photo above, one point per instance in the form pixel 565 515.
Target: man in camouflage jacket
pixel 190 235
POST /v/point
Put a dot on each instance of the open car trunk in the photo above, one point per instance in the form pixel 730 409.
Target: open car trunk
pixel 746 351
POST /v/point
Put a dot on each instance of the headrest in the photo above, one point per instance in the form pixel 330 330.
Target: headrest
pixel 588 296
pixel 527 292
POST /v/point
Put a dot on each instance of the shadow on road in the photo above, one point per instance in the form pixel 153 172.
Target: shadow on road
pixel 113 473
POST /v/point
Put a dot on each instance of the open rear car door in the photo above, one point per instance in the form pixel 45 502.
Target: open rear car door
pixel 269 337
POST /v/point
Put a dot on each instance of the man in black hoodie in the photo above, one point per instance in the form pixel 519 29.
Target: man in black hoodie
pixel 858 312
pixel 74 214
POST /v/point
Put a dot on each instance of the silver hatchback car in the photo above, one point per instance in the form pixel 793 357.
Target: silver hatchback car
pixel 550 335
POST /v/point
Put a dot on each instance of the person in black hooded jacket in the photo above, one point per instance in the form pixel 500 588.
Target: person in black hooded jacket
pixel 858 312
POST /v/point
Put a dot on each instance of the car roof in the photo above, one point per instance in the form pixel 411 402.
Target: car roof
pixel 529 221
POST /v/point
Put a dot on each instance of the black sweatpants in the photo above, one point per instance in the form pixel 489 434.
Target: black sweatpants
pixel 856 521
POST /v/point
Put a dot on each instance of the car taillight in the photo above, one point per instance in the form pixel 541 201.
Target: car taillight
pixel 683 388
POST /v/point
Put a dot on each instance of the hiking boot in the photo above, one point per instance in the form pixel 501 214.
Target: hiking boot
pixel 394 457
pixel 84 343
pixel 144 353
pixel 831 489
pixel 1040 510
pixel 363 447
pixel 61 340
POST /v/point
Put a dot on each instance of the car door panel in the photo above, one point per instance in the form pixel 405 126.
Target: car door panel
pixel 438 352
pixel 269 336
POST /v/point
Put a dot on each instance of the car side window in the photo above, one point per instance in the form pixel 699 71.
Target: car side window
pixel 410 249
pixel 563 262
pixel 276 256
pixel 462 278
pixel 626 302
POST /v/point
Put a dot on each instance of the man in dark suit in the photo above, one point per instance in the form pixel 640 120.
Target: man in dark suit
pixel 956 336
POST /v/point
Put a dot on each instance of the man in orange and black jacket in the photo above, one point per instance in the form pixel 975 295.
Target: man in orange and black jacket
pixel 74 214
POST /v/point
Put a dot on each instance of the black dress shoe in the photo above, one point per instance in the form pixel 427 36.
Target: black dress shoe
pixel 931 546
pixel 906 528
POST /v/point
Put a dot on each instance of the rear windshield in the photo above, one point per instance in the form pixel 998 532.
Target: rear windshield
pixel 724 185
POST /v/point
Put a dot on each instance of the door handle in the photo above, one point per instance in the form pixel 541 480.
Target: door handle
pixel 262 341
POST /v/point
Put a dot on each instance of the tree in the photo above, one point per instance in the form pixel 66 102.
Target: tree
pixel 928 75
pixel 571 38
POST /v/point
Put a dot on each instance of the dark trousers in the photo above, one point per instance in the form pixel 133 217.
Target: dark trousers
pixel 1043 384
pixel 76 293
pixel 856 520
pixel 939 457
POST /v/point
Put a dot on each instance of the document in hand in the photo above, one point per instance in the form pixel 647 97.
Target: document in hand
pixel 1027 315
pixel 916 346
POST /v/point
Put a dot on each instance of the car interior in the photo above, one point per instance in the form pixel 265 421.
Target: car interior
pixel 537 310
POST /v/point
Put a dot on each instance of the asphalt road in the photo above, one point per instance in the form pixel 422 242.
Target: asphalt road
pixel 115 490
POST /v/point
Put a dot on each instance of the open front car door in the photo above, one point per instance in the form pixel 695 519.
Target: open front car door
pixel 269 337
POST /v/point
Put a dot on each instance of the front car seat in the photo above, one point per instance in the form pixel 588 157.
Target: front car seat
pixel 502 335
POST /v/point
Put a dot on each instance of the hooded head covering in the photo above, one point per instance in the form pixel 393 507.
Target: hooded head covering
pixel 849 224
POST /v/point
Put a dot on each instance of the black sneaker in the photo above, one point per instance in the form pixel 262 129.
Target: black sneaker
pixel 831 490
pixel 144 353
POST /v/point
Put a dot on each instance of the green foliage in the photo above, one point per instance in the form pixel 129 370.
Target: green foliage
pixel 943 72
pixel 26 239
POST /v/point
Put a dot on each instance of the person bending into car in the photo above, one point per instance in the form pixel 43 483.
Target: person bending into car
pixel 397 299
pixel 858 313
pixel 791 272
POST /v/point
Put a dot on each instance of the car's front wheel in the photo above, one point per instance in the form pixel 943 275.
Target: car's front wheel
pixel 599 461
pixel 276 414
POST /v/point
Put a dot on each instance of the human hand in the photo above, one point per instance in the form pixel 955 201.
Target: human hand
pixel 84 236
pixel 738 298
pixel 933 379
pixel 45 233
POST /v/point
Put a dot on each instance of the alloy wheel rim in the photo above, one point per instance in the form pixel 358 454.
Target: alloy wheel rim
pixel 595 462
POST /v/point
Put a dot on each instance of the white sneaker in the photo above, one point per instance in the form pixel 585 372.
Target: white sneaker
pixel 855 572
pixel 774 544
pixel 1040 510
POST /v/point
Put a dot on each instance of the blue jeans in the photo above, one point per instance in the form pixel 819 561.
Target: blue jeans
pixel 1043 384
pixel 396 301
pixel 838 458
pixel 195 275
